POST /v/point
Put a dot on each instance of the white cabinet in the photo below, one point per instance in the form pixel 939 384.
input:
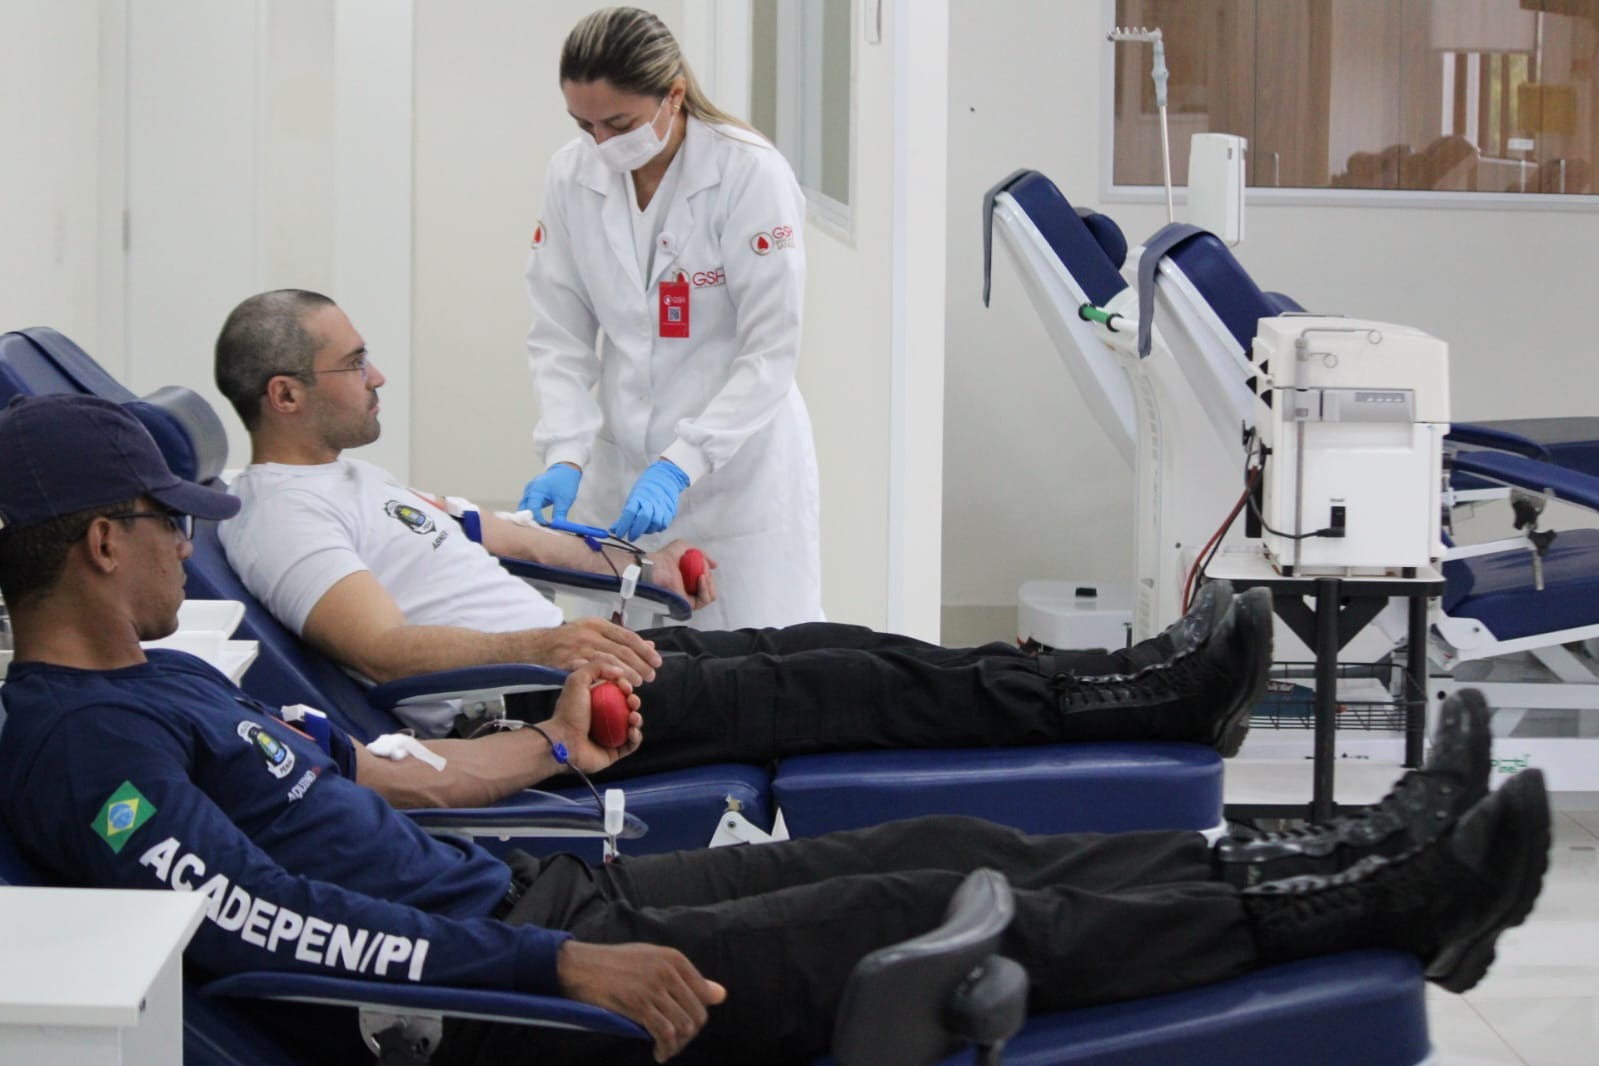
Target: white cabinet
pixel 93 977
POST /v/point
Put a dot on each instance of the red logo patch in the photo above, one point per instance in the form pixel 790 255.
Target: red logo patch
pixel 764 243
pixel 538 235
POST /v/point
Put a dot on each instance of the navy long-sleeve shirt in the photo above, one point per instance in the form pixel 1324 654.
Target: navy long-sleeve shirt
pixel 166 775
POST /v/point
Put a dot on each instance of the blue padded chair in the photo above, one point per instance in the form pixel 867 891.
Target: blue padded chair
pixel 1366 1007
pixel 682 809
pixel 1270 1016
pixel 1491 604
pixel 1164 786
pixel 1571 441
pixel 1498 591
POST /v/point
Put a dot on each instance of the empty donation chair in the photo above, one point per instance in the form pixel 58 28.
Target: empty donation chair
pixel 1515 613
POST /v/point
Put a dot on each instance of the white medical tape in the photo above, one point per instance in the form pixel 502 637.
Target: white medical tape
pixel 397 746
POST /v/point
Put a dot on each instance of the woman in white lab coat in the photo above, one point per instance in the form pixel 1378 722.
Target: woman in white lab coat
pixel 675 230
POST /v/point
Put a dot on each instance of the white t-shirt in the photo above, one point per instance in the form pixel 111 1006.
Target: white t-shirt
pixel 304 528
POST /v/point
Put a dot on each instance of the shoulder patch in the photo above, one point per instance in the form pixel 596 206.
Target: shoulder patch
pixel 278 758
pixel 766 242
pixel 124 811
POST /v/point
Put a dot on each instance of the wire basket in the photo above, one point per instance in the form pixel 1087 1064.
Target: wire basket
pixel 1373 697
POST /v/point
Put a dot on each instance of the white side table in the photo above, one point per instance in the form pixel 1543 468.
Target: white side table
pixel 94 977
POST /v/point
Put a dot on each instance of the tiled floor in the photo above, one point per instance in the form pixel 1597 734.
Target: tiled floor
pixel 1539 1004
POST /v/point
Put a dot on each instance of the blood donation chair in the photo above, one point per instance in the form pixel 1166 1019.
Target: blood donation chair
pixel 1530 598
pixel 1059 788
pixel 1365 1007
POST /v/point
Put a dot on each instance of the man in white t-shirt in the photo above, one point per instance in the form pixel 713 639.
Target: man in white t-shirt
pixel 382 579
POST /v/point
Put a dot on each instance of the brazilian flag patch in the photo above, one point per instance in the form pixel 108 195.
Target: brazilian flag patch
pixel 125 810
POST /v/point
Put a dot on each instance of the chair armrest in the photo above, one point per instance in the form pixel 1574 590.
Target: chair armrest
pixel 465 683
pixel 1498 439
pixel 517 1008
pixel 529 813
pixel 1545 479
pixel 670 603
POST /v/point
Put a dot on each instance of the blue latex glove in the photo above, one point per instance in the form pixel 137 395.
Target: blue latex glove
pixel 556 488
pixel 652 504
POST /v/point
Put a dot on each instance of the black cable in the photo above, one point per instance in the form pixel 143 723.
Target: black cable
pixel 1254 508
pixel 559 751
pixel 498 725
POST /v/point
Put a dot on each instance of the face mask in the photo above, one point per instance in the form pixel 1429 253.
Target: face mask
pixel 626 152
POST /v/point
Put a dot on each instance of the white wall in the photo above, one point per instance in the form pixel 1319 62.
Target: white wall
pixel 191 189
pixel 1031 488
pixel 50 212
pixel 489 114
pixel 919 35
pixel 845 371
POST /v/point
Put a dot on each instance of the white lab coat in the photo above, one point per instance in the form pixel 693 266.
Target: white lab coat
pixel 721 404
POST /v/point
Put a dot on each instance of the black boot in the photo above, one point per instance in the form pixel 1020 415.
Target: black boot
pixel 1205 614
pixel 1446 902
pixel 1422 805
pixel 1252 614
pixel 1203 695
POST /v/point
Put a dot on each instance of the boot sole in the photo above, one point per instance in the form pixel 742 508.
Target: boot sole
pixel 1458 968
pixel 1234 728
pixel 1471 718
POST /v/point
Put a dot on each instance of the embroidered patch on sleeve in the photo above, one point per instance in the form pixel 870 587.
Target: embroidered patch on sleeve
pixel 123 812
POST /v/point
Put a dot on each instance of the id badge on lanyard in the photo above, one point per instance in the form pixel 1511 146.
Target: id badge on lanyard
pixel 674 308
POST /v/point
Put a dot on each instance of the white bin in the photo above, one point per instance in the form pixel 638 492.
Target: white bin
pixel 1075 614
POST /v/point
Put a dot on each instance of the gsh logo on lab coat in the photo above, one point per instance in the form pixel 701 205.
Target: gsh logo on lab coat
pixel 764 243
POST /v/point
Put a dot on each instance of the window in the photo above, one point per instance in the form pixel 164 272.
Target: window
pixel 800 89
pixel 1493 96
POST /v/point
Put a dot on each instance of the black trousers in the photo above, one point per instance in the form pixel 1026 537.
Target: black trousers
pixel 1098 919
pixel 755 695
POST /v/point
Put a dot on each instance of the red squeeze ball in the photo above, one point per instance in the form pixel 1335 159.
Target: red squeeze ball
pixel 692 566
pixel 608 715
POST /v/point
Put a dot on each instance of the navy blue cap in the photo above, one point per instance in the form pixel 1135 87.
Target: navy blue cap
pixel 66 453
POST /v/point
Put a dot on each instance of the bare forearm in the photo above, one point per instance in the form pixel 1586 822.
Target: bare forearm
pixel 476 773
pixel 359 625
pixel 409 650
pixel 538 545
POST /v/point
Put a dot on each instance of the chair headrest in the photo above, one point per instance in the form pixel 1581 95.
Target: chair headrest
pixel 186 429
pixel 1107 233
pixel 1281 303
pixel 38 361
pixel 1085 252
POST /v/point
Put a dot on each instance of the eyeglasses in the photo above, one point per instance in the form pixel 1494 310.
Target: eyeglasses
pixel 362 368
pixel 182 524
